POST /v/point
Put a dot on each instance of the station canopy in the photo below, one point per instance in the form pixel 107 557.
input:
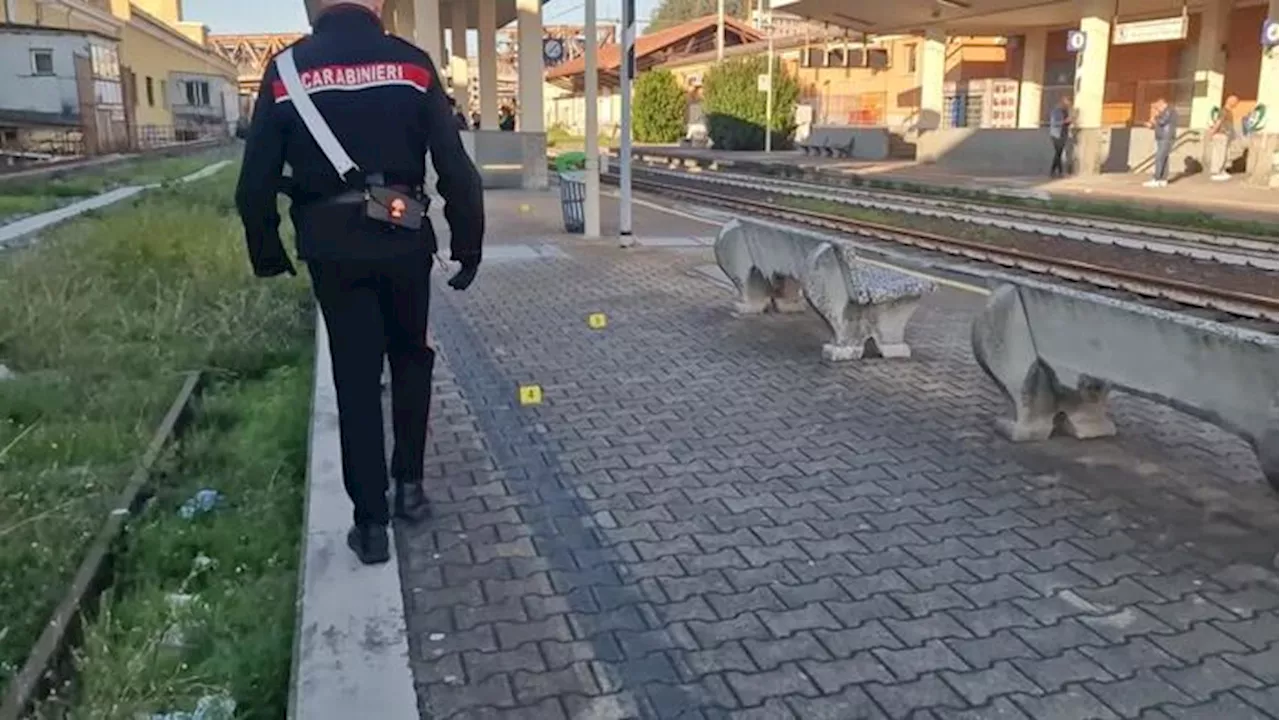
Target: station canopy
pixel 972 17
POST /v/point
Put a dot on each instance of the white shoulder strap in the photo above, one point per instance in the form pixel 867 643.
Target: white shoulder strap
pixel 311 117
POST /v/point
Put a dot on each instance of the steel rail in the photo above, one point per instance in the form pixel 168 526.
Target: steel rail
pixel 994 206
pixel 1188 293
pixel 1225 249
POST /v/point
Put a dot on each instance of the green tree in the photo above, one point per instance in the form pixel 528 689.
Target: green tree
pixel 674 12
pixel 660 107
pixel 735 107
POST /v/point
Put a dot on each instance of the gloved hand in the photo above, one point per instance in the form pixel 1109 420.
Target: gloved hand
pixel 465 276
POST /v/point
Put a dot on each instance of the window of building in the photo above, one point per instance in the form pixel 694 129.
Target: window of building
pixel 42 62
pixel 877 58
pixel 197 92
pixel 151 92
pixel 911 58
pixel 835 57
pixel 105 62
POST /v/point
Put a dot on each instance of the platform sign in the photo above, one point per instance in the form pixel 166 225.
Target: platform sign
pixel 1076 40
pixel 552 50
pixel 1149 31
pixel 1002 108
pixel 1270 33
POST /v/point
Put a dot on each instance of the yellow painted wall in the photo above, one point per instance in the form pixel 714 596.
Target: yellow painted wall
pixel 150 57
pixel 140 50
pixel 28 12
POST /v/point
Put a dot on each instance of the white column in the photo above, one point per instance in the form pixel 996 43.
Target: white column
pixel 933 73
pixel 458 70
pixel 1031 88
pixel 591 81
pixel 1091 85
pixel 400 17
pixel 487 30
pixel 426 24
pixel 1211 61
pixel 1091 64
pixel 1269 84
pixel 529 36
pixel 1263 142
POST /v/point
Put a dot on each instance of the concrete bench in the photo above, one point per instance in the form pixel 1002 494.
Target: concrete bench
pixel 830 141
pixel 1057 352
pixel 778 268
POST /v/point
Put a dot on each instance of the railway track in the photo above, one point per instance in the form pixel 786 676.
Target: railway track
pixel 1219 297
pixel 1226 249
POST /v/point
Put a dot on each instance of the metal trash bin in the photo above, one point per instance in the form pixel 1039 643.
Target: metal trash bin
pixel 573 193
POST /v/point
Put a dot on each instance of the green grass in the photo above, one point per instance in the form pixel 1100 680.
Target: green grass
pixel 19 197
pixel 250 443
pixel 99 321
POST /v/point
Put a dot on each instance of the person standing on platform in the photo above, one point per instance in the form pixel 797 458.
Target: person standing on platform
pixel 354 112
pixel 1059 132
pixel 1165 123
pixel 1221 137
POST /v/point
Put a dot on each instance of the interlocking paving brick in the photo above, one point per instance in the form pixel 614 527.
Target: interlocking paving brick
pixel 852 703
pixel 916 632
pixel 1201 640
pixel 1052 674
pixel 1126 659
pixel 755 688
pixel 902 699
pixel 1054 639
pixel 979 686
pixel 769 654
pixel 1143 690
pixel 980 653
pixel 1261 665
pixel 715 525
pixel 909 663
pixel 1221 708
pixel 1074 703
pixel 1204 680
pixel 832 676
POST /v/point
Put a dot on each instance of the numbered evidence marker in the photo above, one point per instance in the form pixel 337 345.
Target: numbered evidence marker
pixel 597 321
pixel 530 395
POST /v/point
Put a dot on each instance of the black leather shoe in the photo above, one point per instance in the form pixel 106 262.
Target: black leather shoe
pixel 369 543
pixel 411 503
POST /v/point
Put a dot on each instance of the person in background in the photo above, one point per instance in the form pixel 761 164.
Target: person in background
pixel 507 119
pixel 1164 121
pixel 458 118
pixel 1221 136
pixel 1059 131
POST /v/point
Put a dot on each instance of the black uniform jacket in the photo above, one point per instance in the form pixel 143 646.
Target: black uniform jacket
pixel 383 99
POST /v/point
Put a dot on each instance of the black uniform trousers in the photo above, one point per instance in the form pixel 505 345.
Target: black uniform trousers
pixel 374 308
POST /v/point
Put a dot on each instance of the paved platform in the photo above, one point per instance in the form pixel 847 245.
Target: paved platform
pixel 702 520
pixel 1232 199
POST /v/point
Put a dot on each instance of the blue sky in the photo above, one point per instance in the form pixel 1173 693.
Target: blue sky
pixel 249 16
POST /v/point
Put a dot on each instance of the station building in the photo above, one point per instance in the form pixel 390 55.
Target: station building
pixel 93 76
pixel 1112 57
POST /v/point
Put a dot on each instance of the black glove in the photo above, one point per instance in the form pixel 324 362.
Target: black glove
pixel 467 275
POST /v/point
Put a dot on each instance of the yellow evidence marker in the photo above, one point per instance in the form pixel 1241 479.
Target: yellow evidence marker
pixel 530 395
pixel 525 207
pixel 597 321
